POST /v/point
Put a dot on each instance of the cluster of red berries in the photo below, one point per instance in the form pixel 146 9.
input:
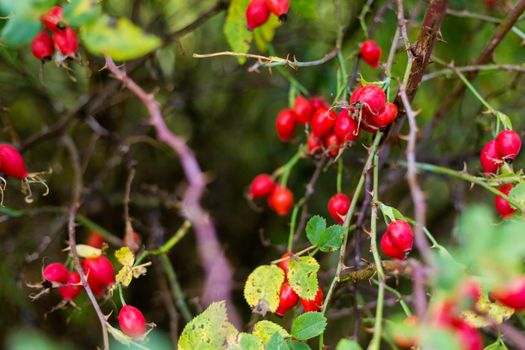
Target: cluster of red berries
pixel 371 53
pixel 68 282
pixel 288 298
pixel 280 198
pixel 504 148
pixel 398 239
pixel 62 37
pixel 259 11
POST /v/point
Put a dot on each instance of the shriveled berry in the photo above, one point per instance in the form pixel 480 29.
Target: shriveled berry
pixel 511 295
pixel 338 206
pixel 314 143
pixel 283 264
pixel 303 110
pixel 314 304
pixel 503 207
pixel 132 321
pixel 261 186
pixel 12 163
pixel 279 8
pixel 401 235
pixel 281 200
pixel 42 46
pixel 489 158
pixel 508 144
pixel 95 239
pixel 390 249
pixel 331 144
pixel 371 53
pixel 286 124
pixel 318 102
pixel 54 19
pixel 72 288
pixel 66 41
pixel 323 121
pixel 287 299
pixel 55 272
pixel 99 270
pixel 387 115
pixel 346 128
pixel 371 98
pixel 257 14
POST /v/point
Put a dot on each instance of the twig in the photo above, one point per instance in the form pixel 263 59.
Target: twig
pixel 129 240
pixel 475 68
pixel 293 63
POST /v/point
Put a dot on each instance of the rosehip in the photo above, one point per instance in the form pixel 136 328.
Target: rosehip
pixel 371 53
pixel 331 144
pixel 12 163
pixel 303 110
pixel 338 206
pixel 372 99
pixel 390 249
pixel 469 337
pixel 406 341
pixel 470 289
pixel 318 102
pixel 346 128
pixel 132 321
pixel 314 304
pixel 314 143
pixel 283 264
pixel 261 186
pixel 55 272
pixel 287 299
pixel 511 295
pixel 99 270
pixel 323 121
pixel 95 239
pixel 279 8
pixel 401 235
pixel 387 115
pixel 503 207
pixel 54 19
pixel 257 14
pixel 42 47
pixel 73 288
pixel 286 124
pixel 66 41
pixel 489 158
pixel 508 144
pixel 281 200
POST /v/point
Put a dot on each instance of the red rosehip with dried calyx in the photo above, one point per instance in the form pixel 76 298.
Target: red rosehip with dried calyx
pixel 279 8
pixel 397 240
pixel 489 158
pixel 132 322
pixel 314 144
pixel 54 19
pixel 346 128
pixel 323 121
pixel 504 209
pixel 318 102
pixel 314 304
pixel 338 206
pixel 55 272
pixel 511 295
pixel 286 124
pixel 303 110
pixel 287 299
pixel 100 273
pixel 331 144
pixel 508 145
pixel 261 186
pixel 370 98
pixel 385 117
pixel 42 47
pixel 12 163
pixel 371 53
pixel 281 200
pixel 257 14
pixel 72 287
pixel 66 42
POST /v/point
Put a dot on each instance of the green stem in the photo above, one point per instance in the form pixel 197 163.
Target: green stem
pixel 176 290
pixel 339 175
pixel 286 169
pixel 121 295
pixel 292 228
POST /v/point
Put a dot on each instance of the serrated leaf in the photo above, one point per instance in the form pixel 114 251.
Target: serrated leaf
pixel 308 325
pixel 347 344
pixel 237 34
pixel 297 345
pixel 124 276
pixel 80 12
pixel 262 287
pixel 264 34
pixel 125 256
pixel 304 8
pixel 246 341
pixel 118 38
pixel 518 193
pixel 504 119
pixel 265 329
pixel 496 312
pixel 209 330
pixel 314 228
pixel 331 238
pixel 87 251
pixel 497 345
pixel 277 342
pixel 302 275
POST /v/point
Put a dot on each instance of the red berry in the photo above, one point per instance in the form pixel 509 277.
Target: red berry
pixel 132 321
pixel 371 53
pixel 257 14
pixel 489 158
pixel 331 144
pixel 470 289
pixel 323 121
pixel 96 288
pixel 54 19
pixel 401 235
pixel 372 99
pixel 286 124
pixel 314 143
pixel 512 295
pixel 283 264
pixel 303 110
pixel 390 248
pixel 95 239
pixel 66 41
pixel 42 47
pixel 55 272
pixel 503 207
pixel 346 128
pixel 508 144
pixel 11 162
pixel 469 337
pixel 261 186
pixel 387 115
pixel 99 270
pixel 279 7
pixel 287 299
pixel 73 288
pixel 281 200
pixel 338 206
pixel 318 102
pixel 314 304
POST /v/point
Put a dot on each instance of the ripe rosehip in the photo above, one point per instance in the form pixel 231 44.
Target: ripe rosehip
pixel 54 19
pixel 406 341
pixel 372 99
pixel 286 124
pixel 314 304
pixel 257 14
pixel 287 299
pixel 331 144
pixel 279 8
pixel 390 248
pixel 508 144
pixel 132 321
pixel 99 270
pixel 42 47
pixel 303 110
pixel 346 128
pixel 323 121
pixel 95 239
pixel 281 200
pixel 261 186
pixel 73 288
pixel 66 41
pixel 503 207
pixel 283 264
pixel 469 337
pixel 470 289
pixel 12 163
pixel 401 235
pixel 55 272
pixel 318 102
pixel 489 158
pixel 338 206
pixel 314 143
pixel 511 295
pixel 371 53
pixel 387 115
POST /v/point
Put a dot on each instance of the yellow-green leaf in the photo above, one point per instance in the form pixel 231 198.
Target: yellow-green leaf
pixel 87 251
pixel 124 276
pixel 245 341
pixel 302 275
pixel 125 256
pixel 79 12
pixel 261 290
pixel 265 329
pixel 238 36
pixel 496 312
pixel 265 33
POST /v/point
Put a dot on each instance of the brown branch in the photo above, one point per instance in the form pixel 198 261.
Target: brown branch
pixel 394 267
pixel 129 239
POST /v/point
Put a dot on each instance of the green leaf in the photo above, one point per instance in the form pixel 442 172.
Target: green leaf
pixel 80 12
pixel 314 228
pixel 246 341
pixel 504 119
pixel 237 34
pixel 265 329
pixel 265 33
pixel 20 30
pixel 261 290
pixel 497 345
pixel 32 8
pixel 347 344
pixel 518 194
pixel 119 38
pixel 297 345
pixel 209 330
pixel 305 8
pixel 331 238
pixel 308 325
pixel 439 339
pixel 277 342
pixel 302 275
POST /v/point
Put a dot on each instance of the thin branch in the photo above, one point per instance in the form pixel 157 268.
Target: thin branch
pixel 475 68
